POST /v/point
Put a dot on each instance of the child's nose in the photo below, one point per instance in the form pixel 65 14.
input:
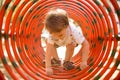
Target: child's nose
pixel 61 37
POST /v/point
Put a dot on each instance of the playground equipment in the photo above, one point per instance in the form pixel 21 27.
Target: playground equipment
pixel 21 25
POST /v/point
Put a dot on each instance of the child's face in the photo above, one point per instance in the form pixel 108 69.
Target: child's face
pixel 60 35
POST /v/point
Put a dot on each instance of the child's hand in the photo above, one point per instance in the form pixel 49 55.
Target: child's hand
pixel 83 65
pixel 49 71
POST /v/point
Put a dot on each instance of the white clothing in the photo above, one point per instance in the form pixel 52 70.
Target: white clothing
pixel 73 36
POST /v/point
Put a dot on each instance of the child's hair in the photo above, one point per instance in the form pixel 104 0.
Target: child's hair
pixel 56 20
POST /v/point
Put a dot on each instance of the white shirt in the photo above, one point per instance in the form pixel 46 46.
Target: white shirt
pixel 74 36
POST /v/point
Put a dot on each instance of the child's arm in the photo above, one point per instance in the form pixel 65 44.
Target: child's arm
pixel 50 51
pixel 85 53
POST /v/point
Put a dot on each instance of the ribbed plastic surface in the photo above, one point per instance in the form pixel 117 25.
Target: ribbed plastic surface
pixel 21 25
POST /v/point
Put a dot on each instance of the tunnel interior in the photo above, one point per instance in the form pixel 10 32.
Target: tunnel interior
pixel 22 52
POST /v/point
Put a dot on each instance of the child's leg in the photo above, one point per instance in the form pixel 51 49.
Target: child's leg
pixel 55 55
pixel 68 65
pixel 69 51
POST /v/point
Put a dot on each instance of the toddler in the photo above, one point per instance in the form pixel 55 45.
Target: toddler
pixel 63 33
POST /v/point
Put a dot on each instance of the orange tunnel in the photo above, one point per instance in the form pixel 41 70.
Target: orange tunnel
pixel 21 50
